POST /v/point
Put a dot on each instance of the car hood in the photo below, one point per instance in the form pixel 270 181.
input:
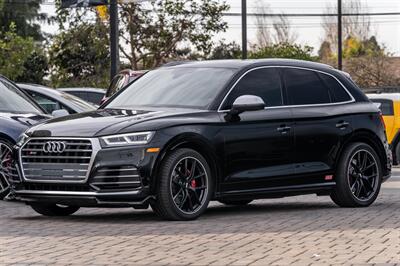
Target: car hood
pixel 25 119
pixel 108 121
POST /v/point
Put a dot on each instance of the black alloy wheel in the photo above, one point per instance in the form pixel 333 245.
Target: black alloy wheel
pixel 5 165
pixel 189 185
pixel 363 174
pixel 185 186
pixel 358 177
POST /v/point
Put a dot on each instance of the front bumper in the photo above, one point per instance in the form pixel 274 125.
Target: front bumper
pixel 138 199
pixel 118 177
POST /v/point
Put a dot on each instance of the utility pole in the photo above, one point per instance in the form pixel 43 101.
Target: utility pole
pixel 114 36
pixel 340 51
pixel 244 29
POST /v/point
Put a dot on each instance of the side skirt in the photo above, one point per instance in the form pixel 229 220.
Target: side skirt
pixel 278 192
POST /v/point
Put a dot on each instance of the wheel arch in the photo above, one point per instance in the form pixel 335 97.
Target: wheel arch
pixel 7 138
pixel 192 141
pixel 370 138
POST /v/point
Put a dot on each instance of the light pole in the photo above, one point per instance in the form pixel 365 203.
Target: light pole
pixel 340 51
pixel 244 29
pixel 114 37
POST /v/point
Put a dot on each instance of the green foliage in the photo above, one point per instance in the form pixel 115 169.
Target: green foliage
pixel 284 50
pixel 14 50
pixel 152 38
pixel 35 68
pixel 24 14
pixel 224 50
pixel 80 56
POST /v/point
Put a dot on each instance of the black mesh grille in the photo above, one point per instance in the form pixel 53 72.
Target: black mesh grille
pixel 70 165
pixel 116 178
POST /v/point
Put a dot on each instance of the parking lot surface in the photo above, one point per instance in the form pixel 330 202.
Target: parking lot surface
pixel 299 230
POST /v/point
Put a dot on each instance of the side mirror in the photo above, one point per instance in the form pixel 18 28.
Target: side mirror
pixel 60 113
pixel 247 103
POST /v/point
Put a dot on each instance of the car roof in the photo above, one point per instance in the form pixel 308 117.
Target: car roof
pixel 83 89
pixel 238 64
pixel 388 96
pixel 41 89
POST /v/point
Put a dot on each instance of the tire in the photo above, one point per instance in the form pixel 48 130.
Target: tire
pixel 353 188
pixel 4 160
pixel 235 202
pixel 178 197
pixel 53 209
pixel 397 154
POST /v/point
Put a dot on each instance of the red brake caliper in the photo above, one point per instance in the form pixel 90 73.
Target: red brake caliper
pixel 193 183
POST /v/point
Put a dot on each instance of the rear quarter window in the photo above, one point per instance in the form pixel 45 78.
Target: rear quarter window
pixel 338 92
pixel 386 106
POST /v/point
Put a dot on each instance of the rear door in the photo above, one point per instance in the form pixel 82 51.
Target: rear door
pixel 318 103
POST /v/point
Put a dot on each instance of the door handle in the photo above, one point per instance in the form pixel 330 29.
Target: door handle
pixel 283 129
pixel 342 124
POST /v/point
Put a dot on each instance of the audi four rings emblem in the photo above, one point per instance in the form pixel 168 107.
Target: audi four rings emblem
pixel 54 147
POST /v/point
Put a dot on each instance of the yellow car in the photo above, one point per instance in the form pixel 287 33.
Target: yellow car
pixel 390 108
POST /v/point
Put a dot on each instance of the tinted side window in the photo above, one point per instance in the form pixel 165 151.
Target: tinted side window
pixel 305 87
pixel 48 104
pixel 386 106
pixel 264 82
pixel 338 92
pixel 94 97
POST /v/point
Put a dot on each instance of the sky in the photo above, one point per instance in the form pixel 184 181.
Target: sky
pixel 309 29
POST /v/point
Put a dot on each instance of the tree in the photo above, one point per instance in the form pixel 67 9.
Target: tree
pixel 35 68
pixel 25 15
pixel 369 63
pixel 80 56
pixel 152 33
pixel 14 50
pixel 224 50
pixel 325 51
pixel 284 50
pixel 358 27
pixel 271 30
pixel 373 70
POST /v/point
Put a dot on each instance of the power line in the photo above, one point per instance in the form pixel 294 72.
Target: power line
pixel 230 14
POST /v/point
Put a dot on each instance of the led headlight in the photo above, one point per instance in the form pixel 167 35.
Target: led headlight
pixel 138 138
pixel 22 139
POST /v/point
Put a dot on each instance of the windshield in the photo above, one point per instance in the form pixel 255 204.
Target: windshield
pixel 174 87
pixel 14 101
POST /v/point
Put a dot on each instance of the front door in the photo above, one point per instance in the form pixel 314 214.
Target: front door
pixel 259 145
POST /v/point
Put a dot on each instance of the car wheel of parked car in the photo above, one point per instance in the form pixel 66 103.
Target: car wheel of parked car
pixel 185 186
pixel 235 202
pixel 5 164
pixel 53 209
pixel 397 154
pixel 358 177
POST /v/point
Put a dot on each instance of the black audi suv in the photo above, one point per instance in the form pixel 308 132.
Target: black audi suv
pixel 231 131
pixel 17 113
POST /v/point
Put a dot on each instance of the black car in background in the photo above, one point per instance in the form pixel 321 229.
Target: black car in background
pixel 231 131
pixel 90 95
pixel 17 113
pixel 53 100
